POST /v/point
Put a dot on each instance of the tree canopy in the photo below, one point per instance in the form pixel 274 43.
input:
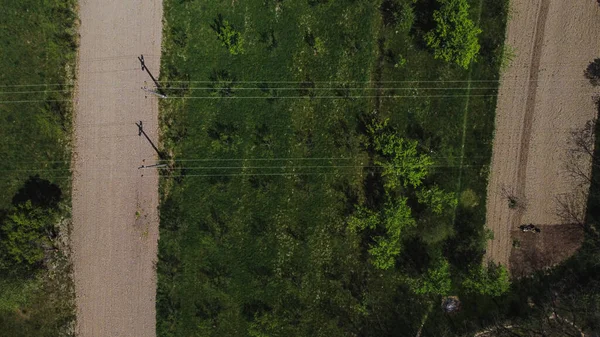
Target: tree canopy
pixel 491 281
pixel 229 37
pixel 26 233
pixel 454 39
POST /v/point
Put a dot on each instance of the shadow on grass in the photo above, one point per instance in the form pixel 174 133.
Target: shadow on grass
pixel 41 192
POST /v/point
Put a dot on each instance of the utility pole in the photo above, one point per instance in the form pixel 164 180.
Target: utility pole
pixel 160 90
pixel 142 132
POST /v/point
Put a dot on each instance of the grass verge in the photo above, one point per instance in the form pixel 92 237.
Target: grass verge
pixel 38 52
pixel 266 125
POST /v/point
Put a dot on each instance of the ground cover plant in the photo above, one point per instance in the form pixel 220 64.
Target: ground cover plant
pixel 327 172
pixel 38 41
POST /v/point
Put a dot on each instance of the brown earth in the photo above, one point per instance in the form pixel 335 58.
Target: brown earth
pixel 535 251
pixel 115 216
pixel 543 97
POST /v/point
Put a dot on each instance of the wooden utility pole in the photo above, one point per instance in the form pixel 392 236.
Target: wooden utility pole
pixel 142 132
pixel 158 87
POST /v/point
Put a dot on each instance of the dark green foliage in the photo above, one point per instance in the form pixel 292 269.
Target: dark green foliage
pixel 27 232
pixel 31 301
pixel 37 42
pixel 398 15
pixel 454 38
pixel 492 281
pixel 284 222
pixel 229 37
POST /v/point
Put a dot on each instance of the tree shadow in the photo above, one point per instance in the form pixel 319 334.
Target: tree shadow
pixel 592 72
pixel 389 10
pixel 218 24
pixel 423 20
pixel 41 192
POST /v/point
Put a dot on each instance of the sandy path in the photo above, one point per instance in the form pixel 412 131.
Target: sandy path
pixel 543 96
pixel 114 248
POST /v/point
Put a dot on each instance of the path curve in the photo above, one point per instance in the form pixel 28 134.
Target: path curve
pixel 115 217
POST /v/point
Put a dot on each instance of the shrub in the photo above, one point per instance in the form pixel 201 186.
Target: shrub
pixel 437 281
pixel 27 233
pixel 228 36
pixel 402 164
pixel 491 281
pixel 454 39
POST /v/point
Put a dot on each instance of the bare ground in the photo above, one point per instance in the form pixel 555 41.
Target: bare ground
pixel 535 251
pixel 543 97
pixel 115 216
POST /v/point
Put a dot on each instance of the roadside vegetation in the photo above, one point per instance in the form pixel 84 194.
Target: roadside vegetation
pixel 38 42
pixel 563 300
pixel 327 166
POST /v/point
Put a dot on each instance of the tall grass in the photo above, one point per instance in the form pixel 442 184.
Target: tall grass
pixel 253 216
pixel 38 41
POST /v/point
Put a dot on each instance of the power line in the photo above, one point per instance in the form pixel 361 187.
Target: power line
pixel 572 97
pixel 344 82
pixel 238 174
pixel 403 81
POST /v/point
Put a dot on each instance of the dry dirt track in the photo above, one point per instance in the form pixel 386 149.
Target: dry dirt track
pixel 542 97
pixel 115 222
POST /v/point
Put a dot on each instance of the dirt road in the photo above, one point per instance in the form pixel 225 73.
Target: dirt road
pixel 542 97
pixel 115 222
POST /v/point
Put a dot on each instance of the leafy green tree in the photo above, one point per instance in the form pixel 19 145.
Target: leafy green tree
pixel 27 232
pixel 435 221
pixel 454 39
pixel 397 217
pixel 491 281
pixel 403 165
pixel 229 37
pixel 437 281
pixel 363 218
pixel 437 199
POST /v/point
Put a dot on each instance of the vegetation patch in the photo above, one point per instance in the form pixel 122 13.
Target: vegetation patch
pixel 313 180
pixel 38 42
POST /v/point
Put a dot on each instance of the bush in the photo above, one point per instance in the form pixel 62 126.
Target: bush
pixel 454 39
pixel 437 281
pixel 403 165
pixel 228 36
pixel 492 281
pixel 27 233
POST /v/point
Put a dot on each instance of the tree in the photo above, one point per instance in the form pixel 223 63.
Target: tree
pixel 228 36
pixel 437 281
pixel 27 233
pixel 454 39
pixel 437 199
pixel 403 165
pixel 592 72
pixel 397 217
pixel 490 281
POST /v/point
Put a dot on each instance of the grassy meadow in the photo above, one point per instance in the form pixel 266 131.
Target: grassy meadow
pixel 271 127
pixel 37 56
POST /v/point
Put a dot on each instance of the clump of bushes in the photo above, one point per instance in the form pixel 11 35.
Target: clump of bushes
pixel 229 37
pixel 454 39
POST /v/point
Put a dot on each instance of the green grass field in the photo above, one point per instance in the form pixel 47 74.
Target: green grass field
pixel 37 57
pixel 270 154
